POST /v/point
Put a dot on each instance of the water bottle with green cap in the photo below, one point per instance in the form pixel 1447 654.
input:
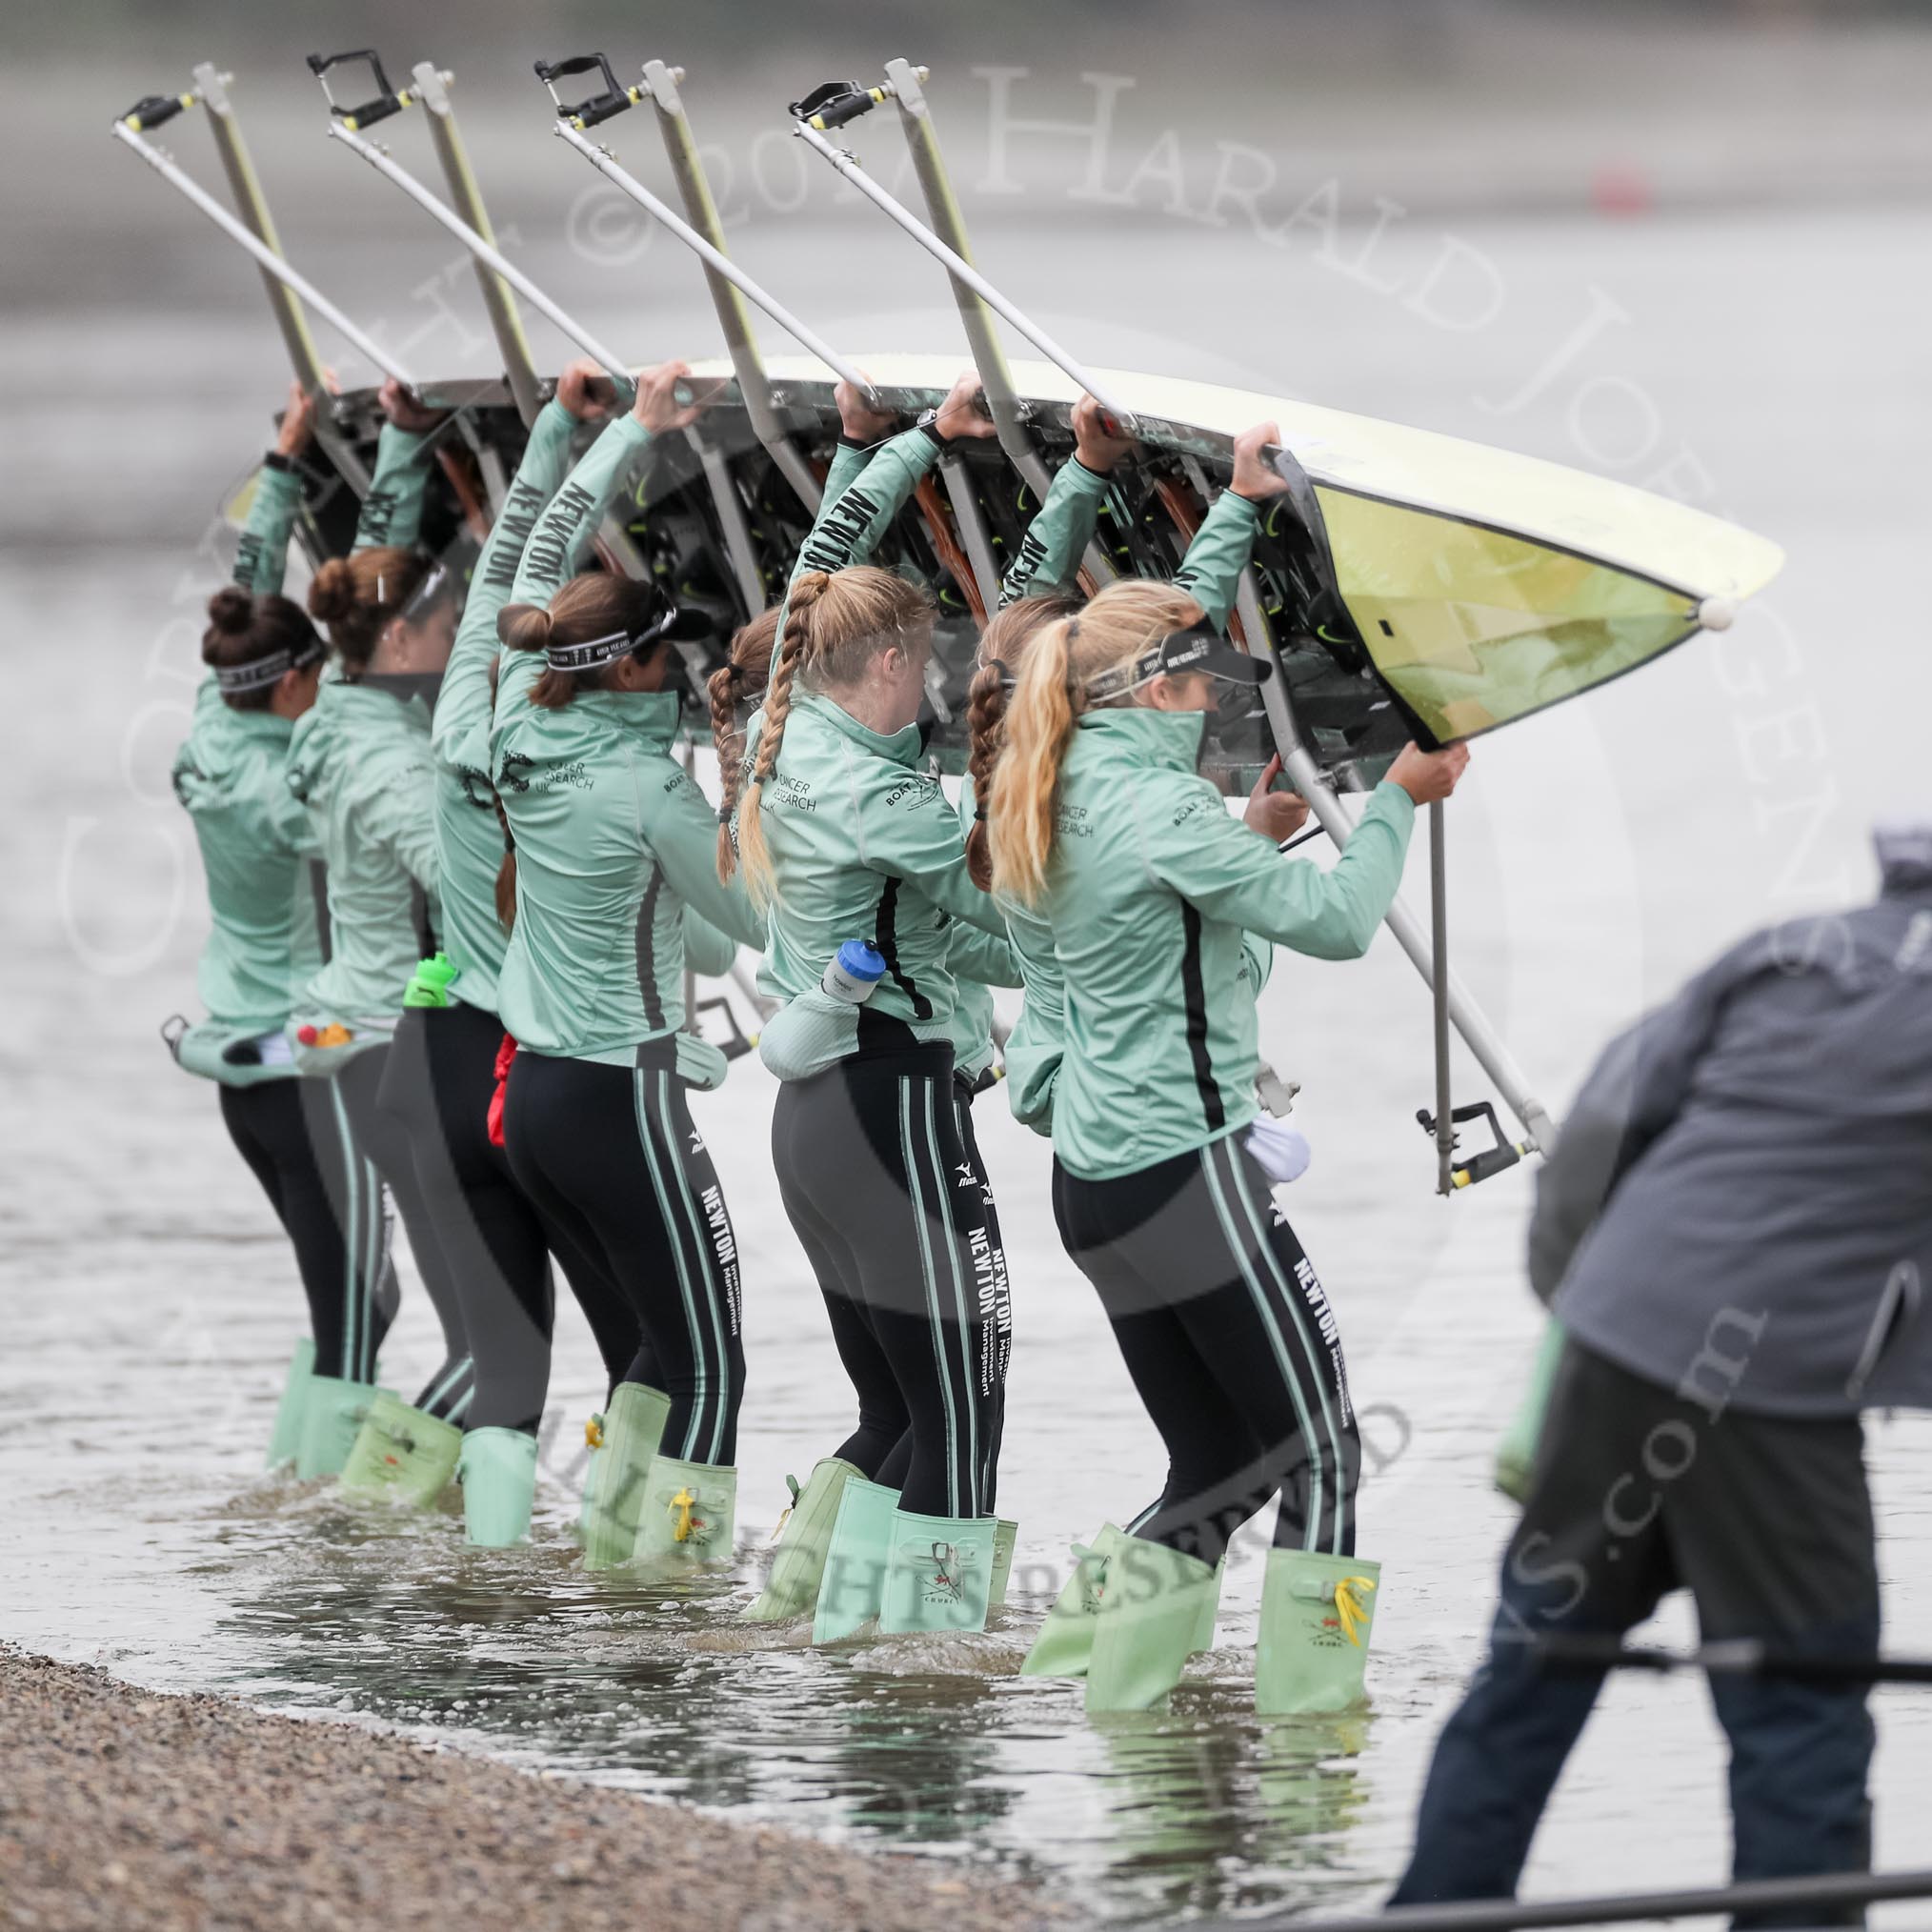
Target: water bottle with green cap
pixel 430 984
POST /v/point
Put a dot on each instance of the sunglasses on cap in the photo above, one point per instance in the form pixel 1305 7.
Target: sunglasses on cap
pixel 1180 652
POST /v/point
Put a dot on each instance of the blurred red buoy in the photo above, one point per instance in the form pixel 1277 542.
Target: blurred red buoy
pixel 1620 187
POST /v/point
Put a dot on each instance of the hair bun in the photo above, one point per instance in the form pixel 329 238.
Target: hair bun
pixel 232 611
pixel 332 593
pixel 524 627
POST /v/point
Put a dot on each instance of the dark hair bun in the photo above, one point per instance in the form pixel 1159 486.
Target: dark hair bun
pixel 523 627
pixel 232 611
pixel 332 593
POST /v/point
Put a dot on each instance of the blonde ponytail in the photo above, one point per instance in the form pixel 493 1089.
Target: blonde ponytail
pixel 1125 618
pixel 1039 723
pixel 1003 649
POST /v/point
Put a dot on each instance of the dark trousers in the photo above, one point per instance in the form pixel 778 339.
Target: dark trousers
pixel 439 1084
pixel 296 1138
pixel 898 1221
pixel 892 1472
pixel 1230 1342
pixel 610 1155
pixel 382 1135
pixel 1637 1492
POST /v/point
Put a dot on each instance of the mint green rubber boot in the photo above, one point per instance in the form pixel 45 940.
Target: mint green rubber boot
pixel 331 1418
pixel 1005 1541
pixel 1066 1638
pixel 799 1546
pixel 1210 1613
pixel 498 1473
pixel 402 1453
pixel 1150 1614
pixel 633 1426
pixel 853 1584
pixel 940 1574
pixel 1516 1454
pixel 285 1439
pixel 688 1516
pixel 1317 1615
pixel 593 1462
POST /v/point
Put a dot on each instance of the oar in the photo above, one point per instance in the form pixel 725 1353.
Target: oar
pixel 1823 1901
pixel 344 127
pixel 905 85
pixel 840 101
pixel 663 88
pixel 499 298
pixel 128 130
pixel 571 125
pixel 973 566
pixel 1729 1656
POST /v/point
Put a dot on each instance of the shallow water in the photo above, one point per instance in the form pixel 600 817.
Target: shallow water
pixel 1601 851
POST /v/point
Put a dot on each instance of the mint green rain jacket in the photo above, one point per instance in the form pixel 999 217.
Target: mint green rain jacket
pixel 614 840
pixel 258 847
pixel 1151 891
pixel 863 843
pixel 359 760
pixel 1211 574
pixel 468 839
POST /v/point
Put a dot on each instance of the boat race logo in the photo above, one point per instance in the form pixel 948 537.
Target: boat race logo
pixel 943 1570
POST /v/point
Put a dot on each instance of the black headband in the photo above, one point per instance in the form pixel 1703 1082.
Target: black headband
pixel 260 671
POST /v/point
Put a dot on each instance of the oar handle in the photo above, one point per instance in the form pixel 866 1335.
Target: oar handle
pixel 594 108
pixel 155 111
pixel 835 103
pixel 386 101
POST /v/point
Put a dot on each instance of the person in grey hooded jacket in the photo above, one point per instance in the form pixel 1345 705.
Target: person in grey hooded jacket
pixel 1734 1231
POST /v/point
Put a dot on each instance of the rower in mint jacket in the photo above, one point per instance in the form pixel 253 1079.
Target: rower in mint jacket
pixel 258 848
pixel 1155 891
pixel 607 824
pixel 1210 573
pixel 1155 896
pixel 360 762
pixel 613 841
pixel 264 885
pixel 468 839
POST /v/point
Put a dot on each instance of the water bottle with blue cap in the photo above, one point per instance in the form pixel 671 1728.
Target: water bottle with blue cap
pixel 855 969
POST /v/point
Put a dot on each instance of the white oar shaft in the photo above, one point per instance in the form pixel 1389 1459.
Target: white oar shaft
pixel 268 259
pixel 712 258
pixel 494 258
pixel 964 270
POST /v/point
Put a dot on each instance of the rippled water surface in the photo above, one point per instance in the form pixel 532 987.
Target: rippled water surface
pixel 1600 853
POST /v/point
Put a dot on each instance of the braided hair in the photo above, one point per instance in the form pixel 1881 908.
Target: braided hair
pixel 836 624
pixel 749 853
pixel 734 688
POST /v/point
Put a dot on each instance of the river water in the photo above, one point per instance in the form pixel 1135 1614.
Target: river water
pixel 1772 363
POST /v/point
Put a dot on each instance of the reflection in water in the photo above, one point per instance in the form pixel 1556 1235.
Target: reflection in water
pixel 918 1743
pixel 1213 1810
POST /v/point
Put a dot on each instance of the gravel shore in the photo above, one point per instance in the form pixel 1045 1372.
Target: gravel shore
pixel 126 1809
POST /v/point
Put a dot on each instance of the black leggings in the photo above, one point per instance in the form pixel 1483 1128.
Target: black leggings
pixel 295 1136
pixel 609 1156
pixel 892 1207
pixel 387 1142
pixel 1230 1342
pixel 437 1086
